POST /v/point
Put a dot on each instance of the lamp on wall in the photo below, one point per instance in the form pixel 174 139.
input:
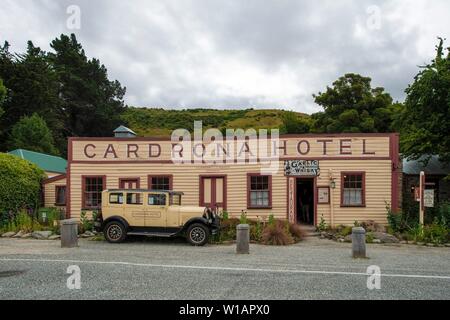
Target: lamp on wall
pixel 332 184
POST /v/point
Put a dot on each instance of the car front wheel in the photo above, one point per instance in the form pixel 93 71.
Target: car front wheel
pixel 198 234
pixel 115 232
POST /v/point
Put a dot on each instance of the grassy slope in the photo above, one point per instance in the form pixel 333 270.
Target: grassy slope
pixel 161 122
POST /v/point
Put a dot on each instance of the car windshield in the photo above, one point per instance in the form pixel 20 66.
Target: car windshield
pixel 175 200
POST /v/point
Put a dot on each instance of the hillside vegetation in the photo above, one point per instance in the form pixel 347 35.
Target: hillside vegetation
pixel 160 122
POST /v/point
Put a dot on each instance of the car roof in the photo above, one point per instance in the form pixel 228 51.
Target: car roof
pixel 145 190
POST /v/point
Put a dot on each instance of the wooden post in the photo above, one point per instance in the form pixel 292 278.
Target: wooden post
pixel 421 197
pixel 331 195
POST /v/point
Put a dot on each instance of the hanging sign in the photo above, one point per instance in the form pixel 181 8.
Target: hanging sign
pixel 299 168
pixel 428 198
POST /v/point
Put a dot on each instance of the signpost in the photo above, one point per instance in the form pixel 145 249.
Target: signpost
pixel 422 204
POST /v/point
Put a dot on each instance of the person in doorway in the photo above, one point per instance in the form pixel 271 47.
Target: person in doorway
pixel 305 200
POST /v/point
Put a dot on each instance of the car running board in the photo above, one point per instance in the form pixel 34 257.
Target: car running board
pixel 151 234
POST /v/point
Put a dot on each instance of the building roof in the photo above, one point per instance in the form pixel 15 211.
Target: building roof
pixel 123 129
pixel 44 161
pixel 434 166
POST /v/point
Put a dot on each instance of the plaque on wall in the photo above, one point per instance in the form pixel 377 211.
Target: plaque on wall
pixel 323 195
pixel 302 168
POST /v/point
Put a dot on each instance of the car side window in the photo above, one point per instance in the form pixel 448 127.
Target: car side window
pixel 157 199
pixel 134 198
pixel 116 198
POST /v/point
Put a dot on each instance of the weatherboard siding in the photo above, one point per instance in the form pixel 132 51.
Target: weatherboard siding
pixel 50 192
pixel 371 154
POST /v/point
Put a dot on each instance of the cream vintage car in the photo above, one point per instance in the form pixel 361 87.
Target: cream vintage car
pixel 153 213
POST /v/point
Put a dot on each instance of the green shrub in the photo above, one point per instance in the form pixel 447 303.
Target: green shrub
pixel 86 223
pixel 369 237
pixel 20 185
pixel 243 218
pixel 346 230
pixel 322 225
pixel 22 222
pixel 225 215
pixel 271 219
pixel 256 231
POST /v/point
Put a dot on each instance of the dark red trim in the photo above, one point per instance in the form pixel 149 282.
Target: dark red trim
pixel 315 201
pixel 225 163
pixel 363 196
pixel 249 176
pixel 56 196
pixel 83 181
pixel 55 178
pixel 68 181
pixel 150 176
pixel 395 158
pixel 329 194
pixel 122 182
pixel 284 136
pixel 213 191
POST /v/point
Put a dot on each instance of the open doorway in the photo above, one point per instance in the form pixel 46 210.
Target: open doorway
pixel 305 201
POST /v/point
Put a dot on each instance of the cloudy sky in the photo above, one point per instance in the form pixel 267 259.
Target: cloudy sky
pixel 236 53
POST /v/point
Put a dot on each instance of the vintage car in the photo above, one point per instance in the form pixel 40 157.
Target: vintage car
pixel 154 213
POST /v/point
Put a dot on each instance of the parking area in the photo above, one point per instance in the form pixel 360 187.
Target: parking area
pixel 314 269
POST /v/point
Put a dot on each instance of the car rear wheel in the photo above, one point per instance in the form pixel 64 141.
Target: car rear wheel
pixel 198 234
pixel 115 232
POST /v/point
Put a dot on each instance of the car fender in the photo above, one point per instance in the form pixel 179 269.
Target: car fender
pixel 115 218
pixel 196 220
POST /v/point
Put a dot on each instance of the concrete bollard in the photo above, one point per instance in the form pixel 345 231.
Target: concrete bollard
pixel 359 242
pixel 243 239
pixel 69 233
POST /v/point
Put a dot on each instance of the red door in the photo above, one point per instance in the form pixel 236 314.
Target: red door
pixel 213 192
pixel 129 184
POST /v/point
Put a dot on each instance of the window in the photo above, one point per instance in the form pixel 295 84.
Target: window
pixel 116 198
pixel 134 198
pixel 259 191
pixel 92 191
pixel 353 189
pixel 157 199
pixel 60 195
pixel 175 200
pixel 160 182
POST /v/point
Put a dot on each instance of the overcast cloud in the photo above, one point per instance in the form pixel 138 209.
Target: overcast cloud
pixel 235 54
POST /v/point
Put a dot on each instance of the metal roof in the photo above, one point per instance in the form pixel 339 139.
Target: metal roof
pixel 434 166
pixel 44 161
pixel 123 129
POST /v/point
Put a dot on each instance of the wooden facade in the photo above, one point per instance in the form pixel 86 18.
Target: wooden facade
pixel 370 163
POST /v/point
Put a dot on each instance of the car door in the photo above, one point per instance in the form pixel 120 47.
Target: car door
pixel 135 210
pixel 156 211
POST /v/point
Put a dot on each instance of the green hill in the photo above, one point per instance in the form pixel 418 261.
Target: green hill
pixel 160 122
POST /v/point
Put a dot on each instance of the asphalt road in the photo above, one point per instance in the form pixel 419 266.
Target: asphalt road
pixel 315 269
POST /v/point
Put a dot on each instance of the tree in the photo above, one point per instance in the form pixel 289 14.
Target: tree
pixel 425 120
pixel 293 123
pixel 32 133
pixel 32 88
pixel 92 104
pixel 2 96
pixel 352 105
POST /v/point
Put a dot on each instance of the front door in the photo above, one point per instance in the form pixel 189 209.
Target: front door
pixel 213 192
pixel 305 200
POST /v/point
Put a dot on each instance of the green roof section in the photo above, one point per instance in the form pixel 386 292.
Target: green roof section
pixel 44 161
